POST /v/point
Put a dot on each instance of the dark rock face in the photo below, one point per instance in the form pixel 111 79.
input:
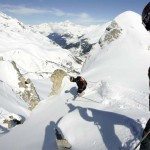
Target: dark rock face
pixel 86 47
pixel 58 39
pixel 12 121
pixel 61 40
pixel 29 93
pixel 72 45
pixel 112 32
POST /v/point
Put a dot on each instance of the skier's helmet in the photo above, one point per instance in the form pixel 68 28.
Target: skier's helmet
pixel 146 16
pixel 71 78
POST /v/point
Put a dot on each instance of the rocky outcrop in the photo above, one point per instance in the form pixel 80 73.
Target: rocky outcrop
pixel 11 121
pixel 68 41
pixel 57 78
pixel 27 89
pixel 112 32
pixel 62 40
pixel 85 46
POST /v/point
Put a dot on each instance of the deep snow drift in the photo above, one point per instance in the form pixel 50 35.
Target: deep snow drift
pixel 114 108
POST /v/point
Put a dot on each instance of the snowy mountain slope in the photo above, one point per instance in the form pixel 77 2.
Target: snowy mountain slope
pixel 10 105
pixel 62 28
pixel 70 28
pixel 128 54
pixel 22 86
pixel 113 110
pixel 25 54
pixel 8 23
pixel 86 124
pixel 32 52
pixel 11 102
pixel 21 42
pixel 120 68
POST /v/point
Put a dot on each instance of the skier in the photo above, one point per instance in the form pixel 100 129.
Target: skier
pixel 145 145
pixel 146 16
pixel 81 83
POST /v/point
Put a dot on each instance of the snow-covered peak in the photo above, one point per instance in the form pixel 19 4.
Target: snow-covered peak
pixel 61 28
pixel 2 15
pixel 8 23
pixel 123 54
pixel 128 15
pixel 129 19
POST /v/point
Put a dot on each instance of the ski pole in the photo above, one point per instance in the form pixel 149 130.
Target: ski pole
pixel 69 98
pixel 89 99
pixel 142 140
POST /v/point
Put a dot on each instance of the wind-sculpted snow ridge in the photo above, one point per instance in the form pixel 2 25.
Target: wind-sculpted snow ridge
pixel 125 60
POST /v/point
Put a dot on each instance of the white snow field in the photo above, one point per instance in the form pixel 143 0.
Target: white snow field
pixel 114 109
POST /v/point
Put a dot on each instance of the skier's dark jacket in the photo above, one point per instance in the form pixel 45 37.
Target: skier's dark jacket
pixel 146 16
pixel 145 145
pixel 81 83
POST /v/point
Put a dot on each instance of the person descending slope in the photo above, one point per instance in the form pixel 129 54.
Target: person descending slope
pixel 146 16
pixel 81 83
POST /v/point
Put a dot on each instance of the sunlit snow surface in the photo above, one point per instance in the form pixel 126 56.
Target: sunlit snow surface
pixel 113 110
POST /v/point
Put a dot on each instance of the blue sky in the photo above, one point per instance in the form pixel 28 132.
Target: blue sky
pixel 84 12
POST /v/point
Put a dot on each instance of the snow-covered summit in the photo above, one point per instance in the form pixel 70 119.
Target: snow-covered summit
pixel 61 27
pixel 2 15
pixel 8 23
pixel 129 18
pixel 123 53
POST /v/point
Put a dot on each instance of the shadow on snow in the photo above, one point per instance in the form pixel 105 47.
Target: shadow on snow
pixel 106 121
